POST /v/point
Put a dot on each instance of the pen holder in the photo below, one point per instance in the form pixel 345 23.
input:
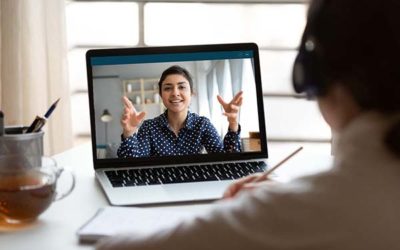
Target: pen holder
pixel 25 150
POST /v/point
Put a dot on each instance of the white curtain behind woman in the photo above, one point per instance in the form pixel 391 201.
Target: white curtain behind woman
pixel 225 89
pixel 33 67
pixel 249 122
pixel 215 107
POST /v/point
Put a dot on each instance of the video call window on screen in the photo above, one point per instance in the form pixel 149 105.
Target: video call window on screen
pixel 136 77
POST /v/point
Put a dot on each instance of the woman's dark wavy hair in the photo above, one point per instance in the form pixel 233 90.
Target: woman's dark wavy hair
pixel 360 43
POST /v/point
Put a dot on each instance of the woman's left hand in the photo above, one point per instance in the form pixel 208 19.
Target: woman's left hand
pixel 232 109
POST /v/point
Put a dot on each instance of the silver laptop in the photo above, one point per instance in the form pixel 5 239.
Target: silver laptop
pixel 151 178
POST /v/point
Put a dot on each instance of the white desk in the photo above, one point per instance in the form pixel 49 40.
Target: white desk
pixel 56 228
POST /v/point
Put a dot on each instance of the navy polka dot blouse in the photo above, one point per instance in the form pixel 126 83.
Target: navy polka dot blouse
pixel 155 138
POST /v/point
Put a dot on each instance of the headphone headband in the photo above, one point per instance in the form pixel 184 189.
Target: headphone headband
pixel 307 75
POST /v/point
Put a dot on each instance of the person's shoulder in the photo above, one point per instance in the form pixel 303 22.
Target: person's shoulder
pixel 204 123
pixel 148 123
pixel 159 121
pixel 148 126
pixel 198 119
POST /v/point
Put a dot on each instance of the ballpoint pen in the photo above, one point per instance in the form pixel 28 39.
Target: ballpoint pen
pixel 39 122
pixel 51 109
pixel 1 123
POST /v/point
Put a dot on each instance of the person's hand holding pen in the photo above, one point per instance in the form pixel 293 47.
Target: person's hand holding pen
pixel 231 109
pixel 255 180
pixel 245 184
pixel 131 118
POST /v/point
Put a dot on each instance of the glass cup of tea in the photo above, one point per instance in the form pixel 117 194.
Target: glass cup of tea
pixel 26 191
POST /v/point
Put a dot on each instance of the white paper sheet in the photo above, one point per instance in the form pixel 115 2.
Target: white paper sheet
pixel 113 220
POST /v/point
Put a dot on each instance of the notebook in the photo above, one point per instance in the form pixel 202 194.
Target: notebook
pixel 130 220
pixel 140 172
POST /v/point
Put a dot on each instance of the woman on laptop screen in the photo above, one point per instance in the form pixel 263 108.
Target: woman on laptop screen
pixel 177 131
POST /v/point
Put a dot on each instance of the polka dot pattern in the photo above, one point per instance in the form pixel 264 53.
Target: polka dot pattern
pixel 155 138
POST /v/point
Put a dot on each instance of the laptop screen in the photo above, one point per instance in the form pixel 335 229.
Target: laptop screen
pixel 134 74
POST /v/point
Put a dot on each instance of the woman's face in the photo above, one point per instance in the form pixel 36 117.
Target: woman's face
pixel 176 93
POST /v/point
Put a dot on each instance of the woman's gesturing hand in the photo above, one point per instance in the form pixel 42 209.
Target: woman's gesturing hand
pixel 231 109
pixel 130 119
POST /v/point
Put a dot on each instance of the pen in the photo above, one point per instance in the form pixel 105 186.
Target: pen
pixel 268 172
pixel 36 125
pixel 39 122
pixel 1 123
pixel 51 109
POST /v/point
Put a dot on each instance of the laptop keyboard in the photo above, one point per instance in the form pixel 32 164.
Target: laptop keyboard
pixel 182 174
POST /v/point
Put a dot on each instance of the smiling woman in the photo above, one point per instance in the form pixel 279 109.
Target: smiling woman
pixel 177 131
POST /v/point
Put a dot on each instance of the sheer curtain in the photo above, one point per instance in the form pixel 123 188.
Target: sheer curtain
pixel 225 89
pixel 215 107
pixel 223 78
pixel 33 67
pixel 249 99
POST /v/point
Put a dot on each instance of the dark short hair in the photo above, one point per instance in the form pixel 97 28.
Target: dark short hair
pixel 175 70
pixel 360 49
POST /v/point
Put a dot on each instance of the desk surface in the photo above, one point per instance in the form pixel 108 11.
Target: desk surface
pixel 56 227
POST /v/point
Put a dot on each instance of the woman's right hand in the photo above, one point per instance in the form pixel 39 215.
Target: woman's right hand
pixel 130 119
pixel 247 183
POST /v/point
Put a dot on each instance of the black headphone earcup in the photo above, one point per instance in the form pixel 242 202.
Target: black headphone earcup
pixel 298 77
pixel 307 75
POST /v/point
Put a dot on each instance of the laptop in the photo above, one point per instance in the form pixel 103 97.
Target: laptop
pixel 216 69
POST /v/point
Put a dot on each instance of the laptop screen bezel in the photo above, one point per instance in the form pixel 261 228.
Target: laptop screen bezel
pixel 185 159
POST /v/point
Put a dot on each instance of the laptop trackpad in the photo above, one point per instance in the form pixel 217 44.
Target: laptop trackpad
pixel 141 195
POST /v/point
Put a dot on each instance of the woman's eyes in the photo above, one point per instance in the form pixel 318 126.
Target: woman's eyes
pixel 170 88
